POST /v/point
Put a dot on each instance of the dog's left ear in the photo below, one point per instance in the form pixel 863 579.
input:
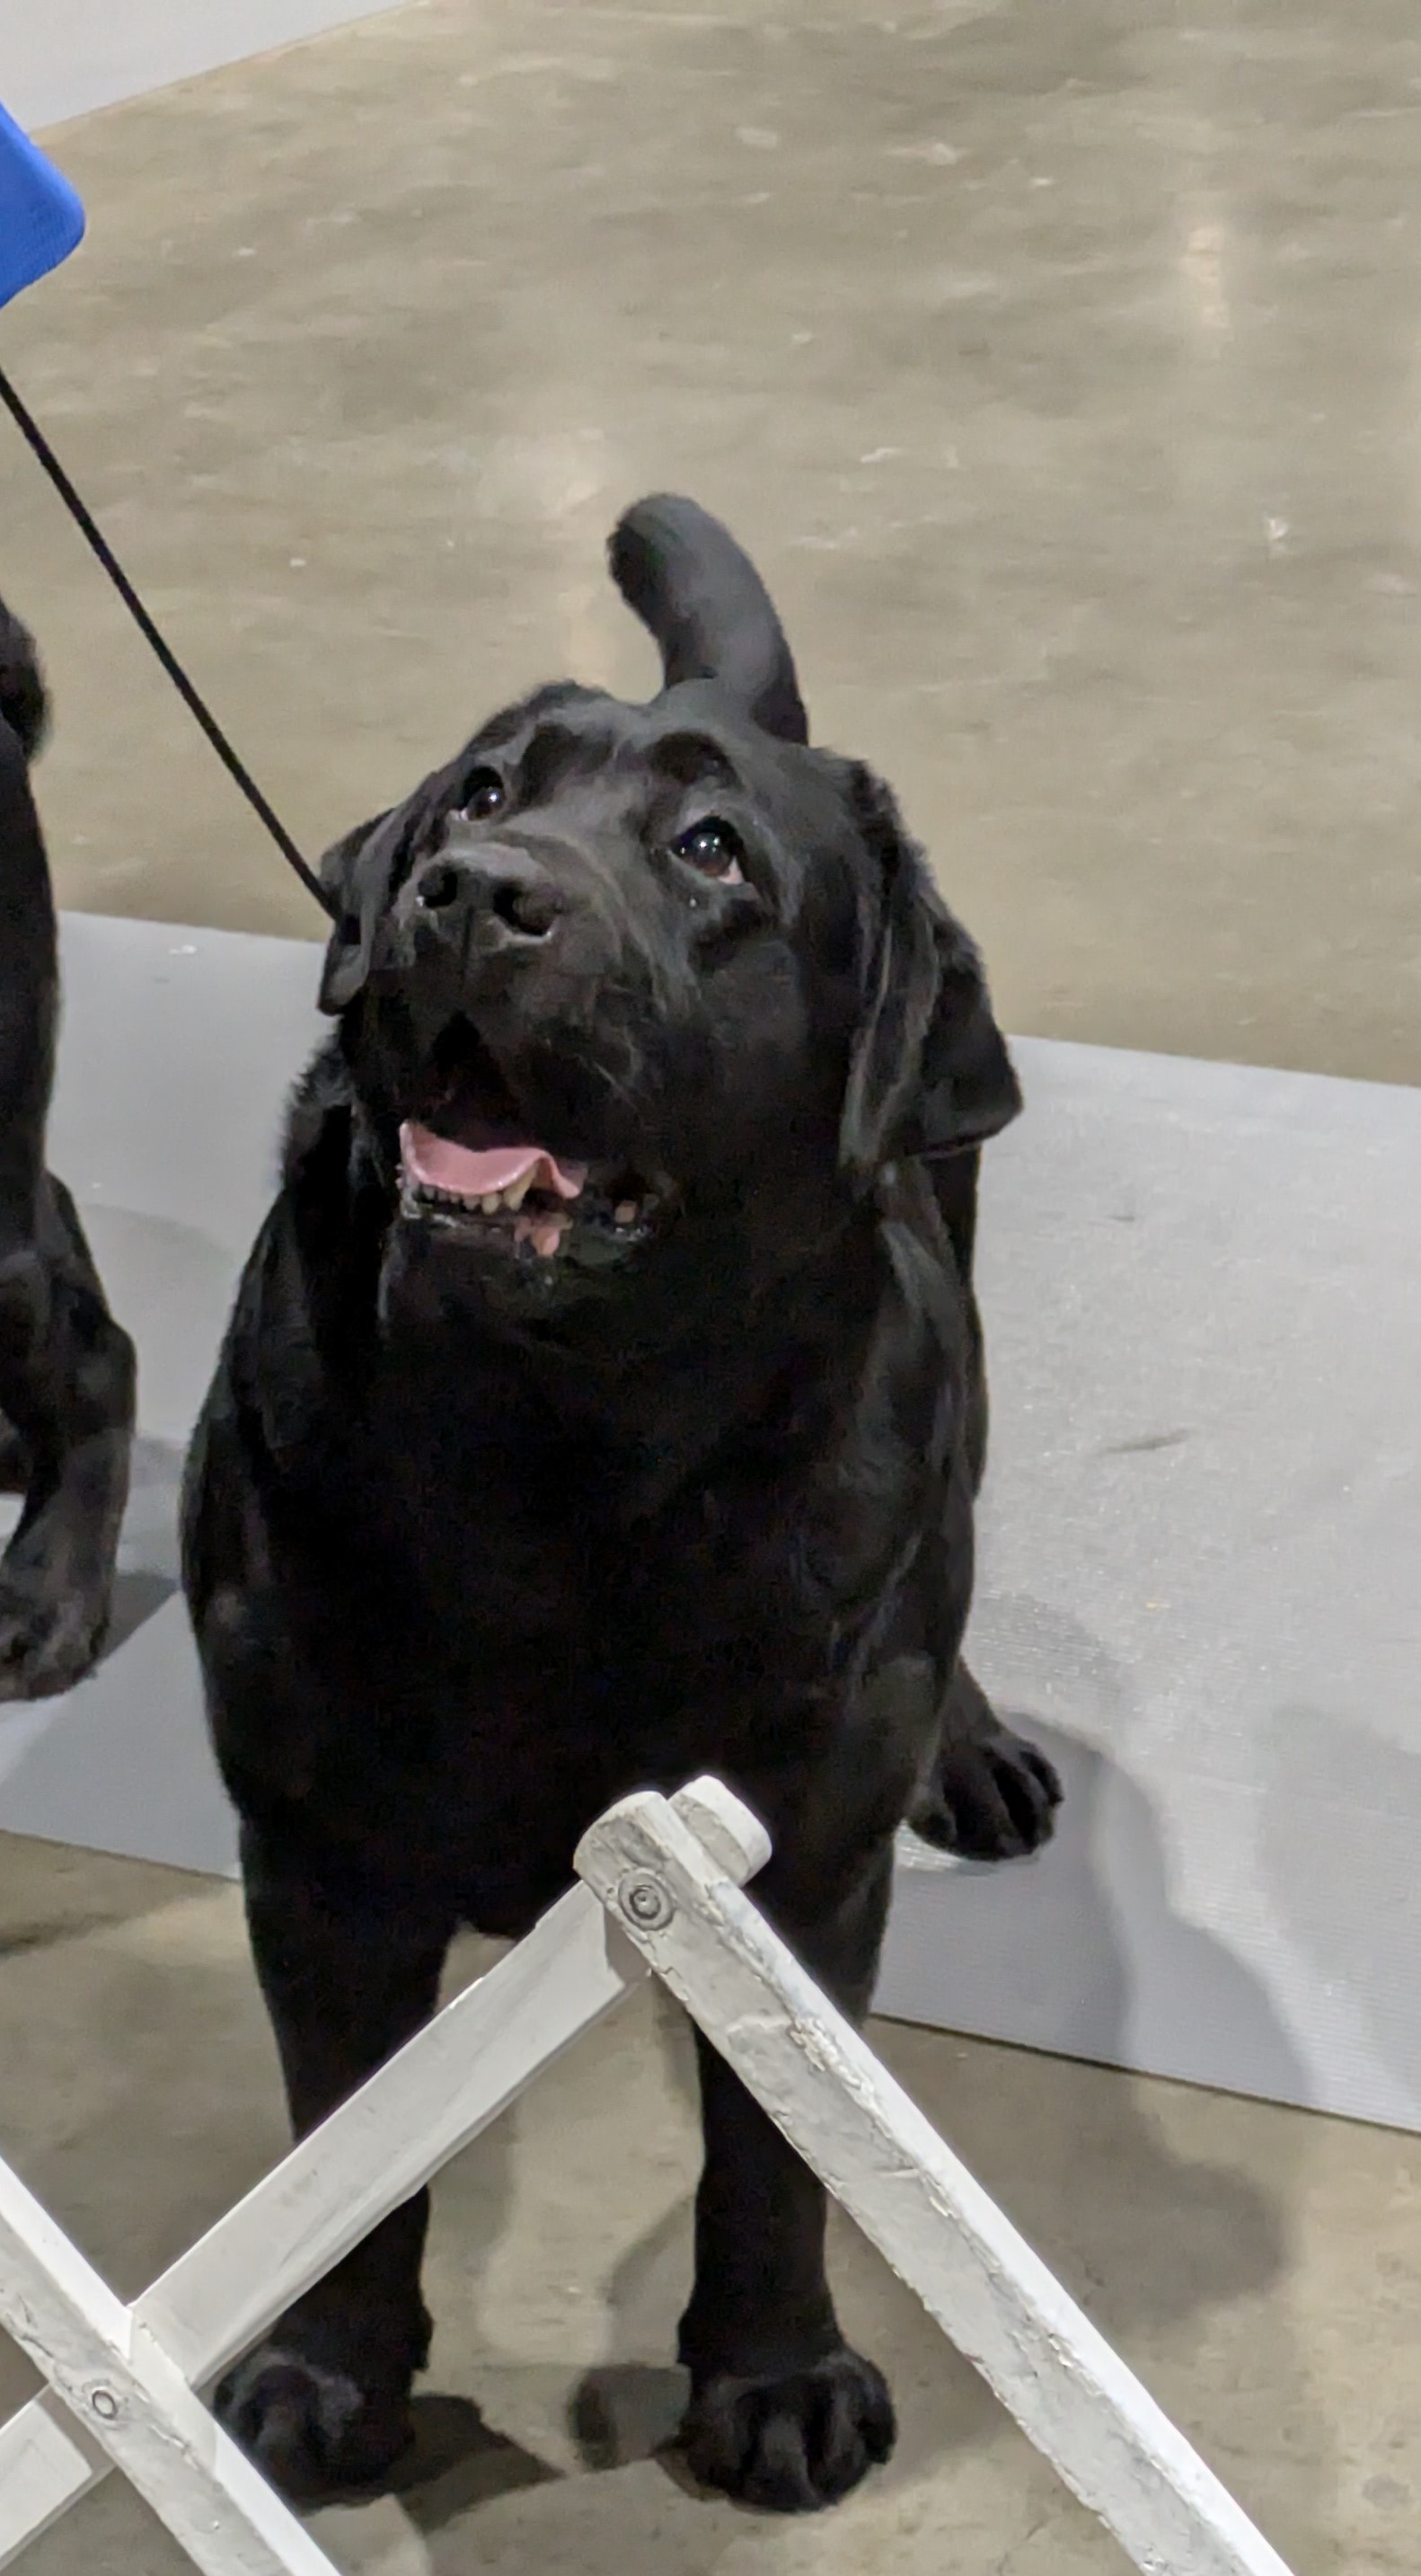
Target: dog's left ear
pixel 930 1073
pixel 967 1085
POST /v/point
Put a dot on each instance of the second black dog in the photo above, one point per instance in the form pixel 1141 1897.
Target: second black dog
pixel 66 1368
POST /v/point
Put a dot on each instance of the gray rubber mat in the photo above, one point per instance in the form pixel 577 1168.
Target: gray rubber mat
pixel 69 57
pixel 1200 1577
pixel 1200 1541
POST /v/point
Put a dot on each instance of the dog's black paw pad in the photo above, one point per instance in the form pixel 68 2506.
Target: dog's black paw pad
pixel 991 1800
pixel 795 2444
pixel 310 2430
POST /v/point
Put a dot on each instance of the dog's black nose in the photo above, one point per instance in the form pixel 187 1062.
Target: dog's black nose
pixel 515 895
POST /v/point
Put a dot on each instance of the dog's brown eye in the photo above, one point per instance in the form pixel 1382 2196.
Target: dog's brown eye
pixel 715 848
pixel 484 795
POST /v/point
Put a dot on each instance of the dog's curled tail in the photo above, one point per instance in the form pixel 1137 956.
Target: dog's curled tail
pixel 24 704
pixel 697 591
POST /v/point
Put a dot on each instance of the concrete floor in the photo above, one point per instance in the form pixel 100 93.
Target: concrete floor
pixel 1060 365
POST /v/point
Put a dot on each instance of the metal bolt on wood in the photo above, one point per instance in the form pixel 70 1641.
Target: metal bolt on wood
pixel 644 1898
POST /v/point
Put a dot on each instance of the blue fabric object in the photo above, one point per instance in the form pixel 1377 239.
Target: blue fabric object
pixel 41 218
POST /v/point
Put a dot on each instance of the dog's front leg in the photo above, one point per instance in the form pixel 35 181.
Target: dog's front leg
pixel 782 2413
pixel 67 1391
pixel 348 1976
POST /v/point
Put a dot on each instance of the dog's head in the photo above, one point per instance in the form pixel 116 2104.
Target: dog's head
pixel 623 974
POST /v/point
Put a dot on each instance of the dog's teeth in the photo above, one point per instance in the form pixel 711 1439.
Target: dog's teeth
pixel 626 1213
pixel 517 1191
pixel 491 1202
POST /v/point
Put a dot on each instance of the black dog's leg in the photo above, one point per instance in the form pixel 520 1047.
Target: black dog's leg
pixel 67 1393
pixel 324 2402
pixel 987 1793
pixel 782 2413
pixel 66 1370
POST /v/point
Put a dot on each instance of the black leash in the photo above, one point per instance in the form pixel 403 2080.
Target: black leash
pixel 88 527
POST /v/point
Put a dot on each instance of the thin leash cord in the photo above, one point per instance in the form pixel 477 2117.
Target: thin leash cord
pixel 89 528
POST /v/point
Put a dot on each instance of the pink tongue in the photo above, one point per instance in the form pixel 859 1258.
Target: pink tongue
pixel 471 1173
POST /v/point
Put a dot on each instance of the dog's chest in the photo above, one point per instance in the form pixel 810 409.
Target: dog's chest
pixel 582 1579
pixel 500 1623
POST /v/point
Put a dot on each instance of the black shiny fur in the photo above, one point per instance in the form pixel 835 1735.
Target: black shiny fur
pixel 476 1543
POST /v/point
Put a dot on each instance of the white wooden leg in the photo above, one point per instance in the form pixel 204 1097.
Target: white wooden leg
pixel 877 2154
pixel 425 2104
pixel 420 2109
pixel 125 2389
pixel 669 1874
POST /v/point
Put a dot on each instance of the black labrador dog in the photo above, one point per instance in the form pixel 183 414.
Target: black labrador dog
pixel 66 1368
pixel 602 1405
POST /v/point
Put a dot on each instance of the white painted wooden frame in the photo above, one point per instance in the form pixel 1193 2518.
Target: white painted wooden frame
pixel 661 1893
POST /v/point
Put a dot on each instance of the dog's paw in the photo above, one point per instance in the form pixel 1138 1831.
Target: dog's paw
pixel 795 2444
pixel 994 1798
pixel 310 2430
pixel 46 1645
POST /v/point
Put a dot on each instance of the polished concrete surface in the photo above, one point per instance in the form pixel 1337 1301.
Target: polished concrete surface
pixel 1061 366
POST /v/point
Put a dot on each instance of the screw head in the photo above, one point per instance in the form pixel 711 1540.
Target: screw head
pixel 104 2403
pixel 645 1901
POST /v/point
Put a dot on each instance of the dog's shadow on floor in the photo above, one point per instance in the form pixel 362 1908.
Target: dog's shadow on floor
pixel 137 1597
pixel 457 2462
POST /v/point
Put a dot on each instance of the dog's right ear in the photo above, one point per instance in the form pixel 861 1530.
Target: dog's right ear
pixel 358 872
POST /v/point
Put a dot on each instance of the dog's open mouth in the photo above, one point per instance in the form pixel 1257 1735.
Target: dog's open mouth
pixel 469 1162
